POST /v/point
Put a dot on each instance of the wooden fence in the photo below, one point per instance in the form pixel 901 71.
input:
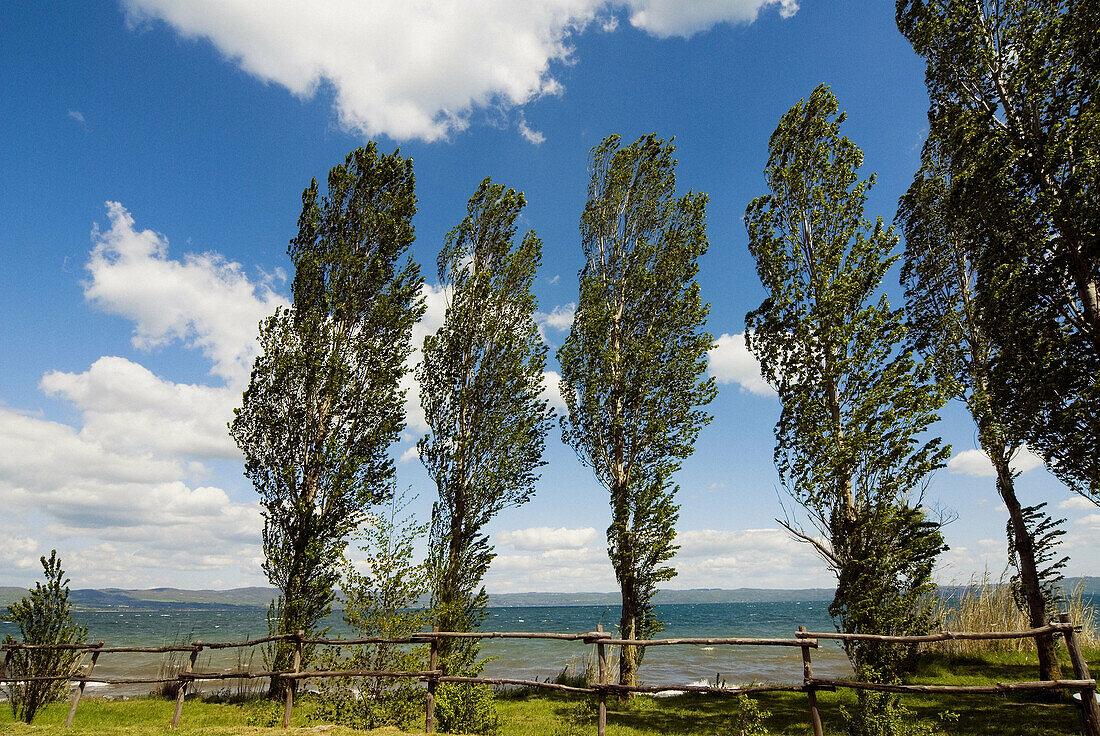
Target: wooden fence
pixel 805 640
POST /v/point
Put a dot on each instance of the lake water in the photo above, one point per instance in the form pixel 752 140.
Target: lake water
pixel 520 659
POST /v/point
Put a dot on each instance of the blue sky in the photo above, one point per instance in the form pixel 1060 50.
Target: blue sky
pixel 153 156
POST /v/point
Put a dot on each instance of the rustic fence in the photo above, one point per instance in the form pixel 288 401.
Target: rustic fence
pixel 805 640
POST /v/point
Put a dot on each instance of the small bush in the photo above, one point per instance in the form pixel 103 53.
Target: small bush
pixel 44 616
pixel 882 714
pixel 749 720
pixel 467 709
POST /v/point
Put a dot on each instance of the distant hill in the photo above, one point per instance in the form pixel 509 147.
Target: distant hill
pixel 259 597
pixel 696 595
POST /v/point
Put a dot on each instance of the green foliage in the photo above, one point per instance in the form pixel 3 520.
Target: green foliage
pixel 380 602
pixel 946 325
pixel 466 708
pixel 854 397
pixel 885 586
pixel 1045 532
pixel 632 365
pixel 323 404
pixel 480 386
pixel 1014 117
pixel 749 718
pixel 44 616
pixel 882 714
pixel 579 718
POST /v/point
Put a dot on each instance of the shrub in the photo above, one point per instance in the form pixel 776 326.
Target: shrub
pixel 466 708
pixel 44 616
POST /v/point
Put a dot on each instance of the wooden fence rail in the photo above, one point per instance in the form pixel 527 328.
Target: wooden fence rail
pixel 805 640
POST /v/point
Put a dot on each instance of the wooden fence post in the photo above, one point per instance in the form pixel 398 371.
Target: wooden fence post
pixel 80 688
pixel 601 659
pixel 4 668
pixel 429 699
pixel 1090 710
pixel 293 684
pixel 182 692
pixel 811 693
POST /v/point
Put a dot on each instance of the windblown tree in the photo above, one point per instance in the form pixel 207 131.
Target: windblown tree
pixel 945 326
pixel 854 400
pixel 323 405
pixel 1013 86
pixel 632 365
pixel 480 386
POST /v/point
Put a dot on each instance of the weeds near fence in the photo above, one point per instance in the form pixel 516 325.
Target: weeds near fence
pixel 984 605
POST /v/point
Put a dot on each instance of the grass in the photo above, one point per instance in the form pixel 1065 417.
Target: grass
pixel 536 714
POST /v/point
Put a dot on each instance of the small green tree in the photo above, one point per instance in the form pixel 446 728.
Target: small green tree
pixel 480 386
pixel 854 400
pixel 323 405
pixel 632 365
pixel 44 616
pixel 383 601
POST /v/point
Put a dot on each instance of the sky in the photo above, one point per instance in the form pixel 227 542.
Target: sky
pixel 153 155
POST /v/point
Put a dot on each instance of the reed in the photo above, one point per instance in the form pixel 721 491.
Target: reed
pixel 985 605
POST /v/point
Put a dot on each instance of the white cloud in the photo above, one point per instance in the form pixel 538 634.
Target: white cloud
pixel 731 362
pixel 551 391
pixel 409 455
pixel 562 559
pixel 19 551
pixel 685 18
pixel 977 463
pixel 542 538
pixel 204 301
pixel 420 69
pixel 531 135
pixel 77 116
pixel 560 317
pixel 1077 503
pixel 125 405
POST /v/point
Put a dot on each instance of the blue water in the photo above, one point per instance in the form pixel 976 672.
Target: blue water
pixel 522 659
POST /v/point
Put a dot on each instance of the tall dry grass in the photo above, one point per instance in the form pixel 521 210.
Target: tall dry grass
pixel 984 605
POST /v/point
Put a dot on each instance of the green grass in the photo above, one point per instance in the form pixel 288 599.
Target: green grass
pixel 536 714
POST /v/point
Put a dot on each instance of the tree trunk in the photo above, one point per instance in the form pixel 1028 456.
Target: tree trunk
pixel 628 656
pixel 1049 669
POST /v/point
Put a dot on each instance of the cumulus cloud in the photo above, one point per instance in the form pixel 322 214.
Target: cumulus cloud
pixel 977 463
pixel 731 362
pixel 560 317
pixel 685 18
pixel 203 300
pixel 562 559
pixel 420 70
pixel 1077 503
pixel 547 538
pixel 131 497
pixel 125 405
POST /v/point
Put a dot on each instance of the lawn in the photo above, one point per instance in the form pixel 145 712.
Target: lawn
pixel 536 714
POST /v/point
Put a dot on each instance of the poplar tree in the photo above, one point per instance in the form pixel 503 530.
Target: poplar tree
pixel 945 325
pixel 323 405
pixel 1013 87
pixel 633 362
pixel 480 386
pixel 854 400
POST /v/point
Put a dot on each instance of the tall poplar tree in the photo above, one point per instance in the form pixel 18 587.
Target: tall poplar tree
pixel 632 365
pixel 940 280
pixel 323 405
pixel 1014 87
pixel 480 386
pixel 854 400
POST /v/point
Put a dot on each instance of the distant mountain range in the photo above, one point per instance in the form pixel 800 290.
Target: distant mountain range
pixel 259 597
